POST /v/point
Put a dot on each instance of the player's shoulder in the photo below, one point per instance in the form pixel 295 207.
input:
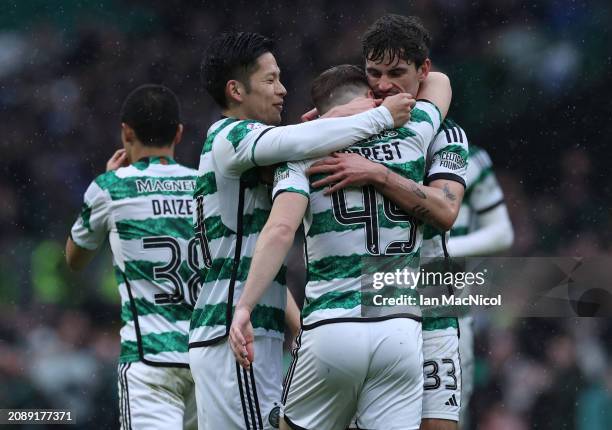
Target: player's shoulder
pixel 479 157
pixel 108 180
pixel 234 130
pixel 451 131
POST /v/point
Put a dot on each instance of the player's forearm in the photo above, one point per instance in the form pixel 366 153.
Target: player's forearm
pixel 270 251
pixel 495 234
pixel 292 315
pixel 434 206
pixel 320 137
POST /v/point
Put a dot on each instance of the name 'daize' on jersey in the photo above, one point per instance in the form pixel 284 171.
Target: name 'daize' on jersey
pixel 176 206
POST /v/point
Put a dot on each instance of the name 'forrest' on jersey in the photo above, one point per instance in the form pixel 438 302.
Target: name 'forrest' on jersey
pixel 147 210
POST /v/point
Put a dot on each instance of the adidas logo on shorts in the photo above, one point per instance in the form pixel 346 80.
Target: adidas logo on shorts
pixel 452 401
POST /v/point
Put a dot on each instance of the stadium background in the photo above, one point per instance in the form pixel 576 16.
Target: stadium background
pixel 531 84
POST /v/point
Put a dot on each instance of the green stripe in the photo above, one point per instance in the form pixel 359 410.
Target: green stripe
pixel 86 216
pixel 206 184
pixel 252 223
pixel 459 231
pixel 124 188
pixel 337 267
pixel 208 143
pixel 178 228
pixel 172 341
pixel 170 312
pixel 239 131
pixel 333 300
pixel 216 229
pixel 222 269
pixel 418 115
pixel 439 323
pixel 430 232
pixel 414 170
pixel 262 316
pixel 352 299
pixel 456 149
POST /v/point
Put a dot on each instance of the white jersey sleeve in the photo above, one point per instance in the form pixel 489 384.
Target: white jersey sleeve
pixel 447 156
pixel 91 227
pixel 291 177
pixel 255 144
pixel 483 190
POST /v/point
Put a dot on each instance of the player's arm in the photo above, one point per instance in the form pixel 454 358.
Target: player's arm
pixel 494 233
pixel 271 249
pixel 292 315
pixel 264 146
pixel 77 257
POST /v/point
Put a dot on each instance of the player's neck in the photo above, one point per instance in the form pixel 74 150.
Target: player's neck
pixel 140 151
pixel 236 112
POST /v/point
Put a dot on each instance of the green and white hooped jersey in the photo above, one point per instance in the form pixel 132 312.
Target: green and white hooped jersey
pixel 482 194
pixel 146 210
pixel 232 207
pixel 352 224
pixel 447 159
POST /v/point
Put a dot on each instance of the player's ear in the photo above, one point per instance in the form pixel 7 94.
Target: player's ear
pixel 179 135
pixel 234 91
pixel 370 94
pixel 424 70
pixel 128 136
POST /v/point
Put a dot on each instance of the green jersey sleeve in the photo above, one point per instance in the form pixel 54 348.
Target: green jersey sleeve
pixel 91 226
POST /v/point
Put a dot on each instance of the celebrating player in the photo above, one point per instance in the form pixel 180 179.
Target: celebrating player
pixel 343 366
pixel 232 205
pixel 143 204
pixel 396 53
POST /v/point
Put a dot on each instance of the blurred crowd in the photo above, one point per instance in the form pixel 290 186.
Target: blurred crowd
pixel 531 84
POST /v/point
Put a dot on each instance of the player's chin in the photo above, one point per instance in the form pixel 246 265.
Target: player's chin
pixel 274 118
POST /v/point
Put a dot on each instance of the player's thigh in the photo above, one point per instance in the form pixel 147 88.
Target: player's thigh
pixel 391 397
pixel 442 387
pixel 231 397
pixel 190 416
pixel 437 424
pixel 149 397
pixel 325 376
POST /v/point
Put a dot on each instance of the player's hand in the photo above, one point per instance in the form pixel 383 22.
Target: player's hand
pixel 241 337
pixel 400 106
pixel 355 106
pixel 346 170
pixel 310 115
pixel 119 159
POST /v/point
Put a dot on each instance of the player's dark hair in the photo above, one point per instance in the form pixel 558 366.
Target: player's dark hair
pixel 153 112
pixel 330 87
pixel 402 37
pixel 232 56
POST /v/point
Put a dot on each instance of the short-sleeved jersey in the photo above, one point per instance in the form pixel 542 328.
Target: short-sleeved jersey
pixel 232 207
pixel 446 159
pixel 482 193
pixel 146 210
pixel 355 223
